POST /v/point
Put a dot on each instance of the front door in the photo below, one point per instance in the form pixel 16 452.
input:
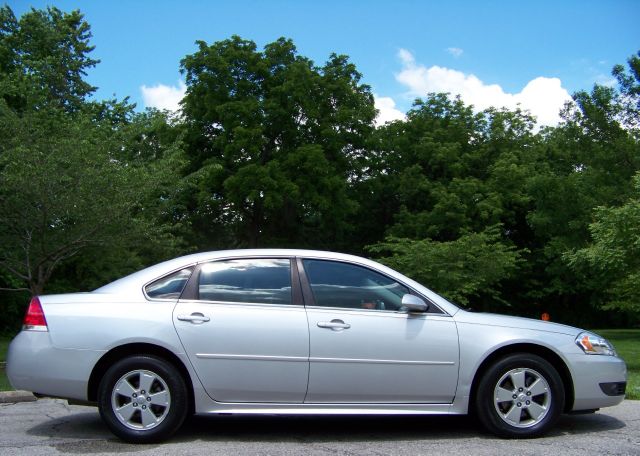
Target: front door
pixel 365 349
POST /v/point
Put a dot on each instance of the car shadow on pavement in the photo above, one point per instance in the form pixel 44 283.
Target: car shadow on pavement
pixel 365 428
pixel 83 432
pixel 323 428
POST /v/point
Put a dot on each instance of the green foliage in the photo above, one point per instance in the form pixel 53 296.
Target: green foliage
pixel 445 178
pixel 587 162
pixel 64 188
pixel 85 187
pixel 461 270
pixel 449 170
pixel 44 56
pixel 614 255
pixel 283 136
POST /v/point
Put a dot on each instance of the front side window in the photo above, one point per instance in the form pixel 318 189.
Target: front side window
pixel 257 281
pixel 336 284
pixel 170 286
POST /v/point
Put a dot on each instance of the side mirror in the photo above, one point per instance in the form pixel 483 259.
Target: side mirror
pixel 414 303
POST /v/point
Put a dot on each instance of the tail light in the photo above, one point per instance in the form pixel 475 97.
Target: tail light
pixel 34 318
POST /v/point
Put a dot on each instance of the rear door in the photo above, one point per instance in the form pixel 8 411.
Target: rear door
pixel 244 328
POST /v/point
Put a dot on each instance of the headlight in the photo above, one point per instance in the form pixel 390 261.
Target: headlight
pixel 593 344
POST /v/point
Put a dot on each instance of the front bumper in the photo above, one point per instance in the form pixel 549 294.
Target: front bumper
pixel 34 364
pixel 589 373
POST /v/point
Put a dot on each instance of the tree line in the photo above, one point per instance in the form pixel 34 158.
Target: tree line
pixel 271 149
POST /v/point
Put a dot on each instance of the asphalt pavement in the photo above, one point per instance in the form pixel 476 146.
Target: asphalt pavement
pixel 51 426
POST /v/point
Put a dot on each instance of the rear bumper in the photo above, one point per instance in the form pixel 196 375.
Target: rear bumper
pixel 589 373
pixel 34 364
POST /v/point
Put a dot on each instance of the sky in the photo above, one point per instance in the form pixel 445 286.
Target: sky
pixel 532 54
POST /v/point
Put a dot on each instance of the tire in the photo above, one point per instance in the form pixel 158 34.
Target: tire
pixel 143 399
pixel 519 396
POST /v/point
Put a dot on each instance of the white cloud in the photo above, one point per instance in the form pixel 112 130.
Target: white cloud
pixel 162 96
pixel 387 111
pixel 406 57
pixel 543 96
pixel 454 51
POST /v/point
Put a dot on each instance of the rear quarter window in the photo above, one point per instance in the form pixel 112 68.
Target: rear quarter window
pixel 169 286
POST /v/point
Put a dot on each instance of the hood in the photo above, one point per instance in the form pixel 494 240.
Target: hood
pixel 489 319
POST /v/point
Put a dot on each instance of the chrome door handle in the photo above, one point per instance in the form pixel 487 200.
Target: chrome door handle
pixel 195 317
pixel 336 325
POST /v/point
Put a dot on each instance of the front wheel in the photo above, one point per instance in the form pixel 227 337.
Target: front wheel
pixel 520 396
pixel 143 399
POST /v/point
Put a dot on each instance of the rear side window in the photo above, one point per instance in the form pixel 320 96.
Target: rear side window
pixel 255 281
pixel 170 286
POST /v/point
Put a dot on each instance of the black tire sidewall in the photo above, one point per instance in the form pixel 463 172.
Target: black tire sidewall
pixel 177 388
pixel 485 408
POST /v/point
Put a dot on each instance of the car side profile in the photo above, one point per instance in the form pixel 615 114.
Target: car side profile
pixel 283 331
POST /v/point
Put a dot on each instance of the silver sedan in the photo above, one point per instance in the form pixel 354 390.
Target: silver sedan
pixel 301 332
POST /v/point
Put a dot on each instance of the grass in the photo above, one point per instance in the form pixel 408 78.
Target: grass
pixel 626 342
pixel 4 346
pixel 4 382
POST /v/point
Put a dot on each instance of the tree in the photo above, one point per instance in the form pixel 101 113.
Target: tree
pixel 44 57
pixel 448 170
pixel 275 141
pixel 605 132
pixel 469 267
pixel 613 258
pixel 586 162
pixel 76 176
pixel 64 188
pixel 629 85
pixel 441 182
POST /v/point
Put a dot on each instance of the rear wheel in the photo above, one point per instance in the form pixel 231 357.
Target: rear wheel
pixel 143 399
pixel 521 395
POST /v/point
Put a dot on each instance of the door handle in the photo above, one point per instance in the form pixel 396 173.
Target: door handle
pixel 196 318
pixel 336 325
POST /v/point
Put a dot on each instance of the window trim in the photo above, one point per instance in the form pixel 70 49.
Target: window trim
pixel 310 299
pixel 191 290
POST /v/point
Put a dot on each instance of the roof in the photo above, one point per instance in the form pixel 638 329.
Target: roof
pixel 132 284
